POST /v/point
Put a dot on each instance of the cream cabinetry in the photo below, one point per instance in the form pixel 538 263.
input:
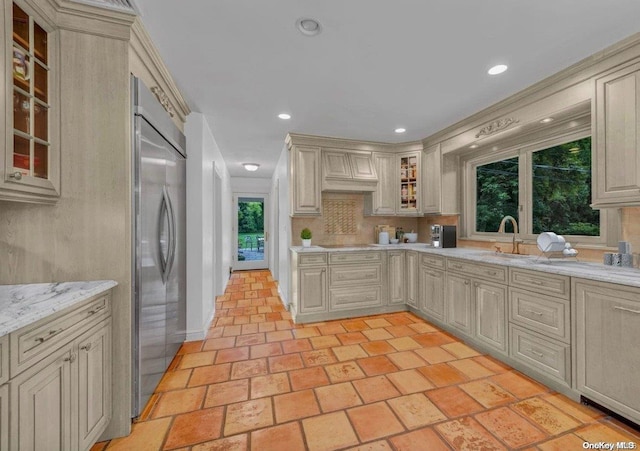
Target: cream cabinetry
pixel 617 138
pixel 412 278
pixel 356 280
pixel 409 184
pixel 383 200
pixel 396 277
pixel 313 290
pixel 305 181
pixel 431 283
pixel 30 166
pixel 432 180
pixel 607 325
pixel 539 322
pixel 348 171
pixel 4 416
pixel 476 302
pixel 60 386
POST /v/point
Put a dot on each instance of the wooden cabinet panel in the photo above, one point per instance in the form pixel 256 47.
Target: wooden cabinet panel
pixel 355 275
pixel 383 199
pixel 355 257
pixel 4 416
pixel 94 384
pixel 540 313
pixel 4 359
pixel 431 282
pixel 458 302
pixel 396 277
pixel 312 259
pixel 362 167
pixel 305 176
pixel 412 278
pixel 45 418
pixel 607 337
pixel 432 180
pixel 541 282
pixel 355 297
pixel 336 165
pixel 491 314
pixel 434 261
pixel 617 138
pixel 549 357
pixel 313 290
pixel 493 273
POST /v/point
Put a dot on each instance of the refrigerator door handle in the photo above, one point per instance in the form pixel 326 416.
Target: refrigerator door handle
pixel 172 234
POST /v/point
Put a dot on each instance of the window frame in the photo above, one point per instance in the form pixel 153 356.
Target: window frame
pixel 524 152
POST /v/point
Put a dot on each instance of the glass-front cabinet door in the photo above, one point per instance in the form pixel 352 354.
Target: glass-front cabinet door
pixel 31 164
pixel 409 183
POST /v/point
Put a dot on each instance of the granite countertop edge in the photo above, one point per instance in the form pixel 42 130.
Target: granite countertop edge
pixel 567 267
pixel 22 305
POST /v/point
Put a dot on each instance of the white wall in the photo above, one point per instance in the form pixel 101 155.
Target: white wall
pixel 203 158
pixel 250 185
pixel 281 211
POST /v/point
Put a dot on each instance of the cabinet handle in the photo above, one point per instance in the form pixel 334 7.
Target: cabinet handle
pixel 492 273
pixel 370 298
pixel 52 333
pixel 71 358
pixel 86 347
pixel 538 354
pixel 624 309
pixel 537 313
pixel 466 282
pixel 433 274
pixel 476 284
pixel 324 270
pixel 16 175
pixel 96 310
pixel 536 282
pixel 457 266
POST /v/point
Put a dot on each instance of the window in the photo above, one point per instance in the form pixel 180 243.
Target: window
pixel 546 187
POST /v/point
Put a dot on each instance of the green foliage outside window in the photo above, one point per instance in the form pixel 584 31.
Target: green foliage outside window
pixel 561 191
pixel 250 217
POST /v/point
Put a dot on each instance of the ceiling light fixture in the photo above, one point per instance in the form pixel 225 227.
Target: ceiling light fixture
pixel 308 27
pixel 284 116
pixel 251 167
pixel 473 146
pixel 400 130
pixel 546 120
pixel 498 69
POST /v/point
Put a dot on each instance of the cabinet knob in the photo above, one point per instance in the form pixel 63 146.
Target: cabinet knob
pixel 475 284
pixel 86 347
pixel 16 175
pixel 466 282
pixel 71 358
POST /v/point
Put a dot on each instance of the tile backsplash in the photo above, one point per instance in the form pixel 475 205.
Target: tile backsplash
pixel 344 222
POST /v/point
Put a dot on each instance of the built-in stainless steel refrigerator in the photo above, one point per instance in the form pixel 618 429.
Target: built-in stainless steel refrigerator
pixel 159 211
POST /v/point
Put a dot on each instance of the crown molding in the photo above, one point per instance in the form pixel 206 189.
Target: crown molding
pixel 297 139
pixel 157 77
pixel 92 17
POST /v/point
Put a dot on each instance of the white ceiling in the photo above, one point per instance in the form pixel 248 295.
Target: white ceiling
pixel 377 64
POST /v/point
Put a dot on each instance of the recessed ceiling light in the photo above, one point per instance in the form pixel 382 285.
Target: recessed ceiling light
pixel 308 27
pixel 498 69
pixel 251 167
pixel 546 120
pixel 284 116
pixel 400 130
pixel 473 146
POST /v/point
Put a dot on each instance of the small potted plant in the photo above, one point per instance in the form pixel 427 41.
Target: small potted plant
pixel 306 237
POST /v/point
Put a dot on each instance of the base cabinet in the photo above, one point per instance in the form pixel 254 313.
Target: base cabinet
pixel 491 314
pixel 459 305
pixel 4 416
pixel 607 352
pixel 412 278
pixel 313 290
pixel 396 277
pixel 431 292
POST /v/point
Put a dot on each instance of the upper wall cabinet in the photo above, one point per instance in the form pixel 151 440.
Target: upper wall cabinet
pixel 304 170
pixel 30 169
pixel 382 201
pixel 348 171
pixel 432 180
pixel 409 183
pixel 617 138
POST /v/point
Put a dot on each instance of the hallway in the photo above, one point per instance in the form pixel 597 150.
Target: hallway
pixel 386 382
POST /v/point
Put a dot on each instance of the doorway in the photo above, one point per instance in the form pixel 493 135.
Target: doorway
pixel 251 237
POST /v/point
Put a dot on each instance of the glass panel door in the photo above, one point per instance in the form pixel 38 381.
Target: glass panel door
pixel 251 232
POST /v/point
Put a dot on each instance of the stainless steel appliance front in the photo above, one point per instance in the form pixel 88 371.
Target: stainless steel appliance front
pixel 159 279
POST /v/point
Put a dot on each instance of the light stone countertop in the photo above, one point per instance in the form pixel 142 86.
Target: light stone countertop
pixel 571 267
pixel 21 305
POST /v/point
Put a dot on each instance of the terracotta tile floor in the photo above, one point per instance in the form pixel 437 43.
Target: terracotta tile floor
pixel 388 382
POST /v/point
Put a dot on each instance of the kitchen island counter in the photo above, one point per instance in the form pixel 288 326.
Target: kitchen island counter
pixel 21 305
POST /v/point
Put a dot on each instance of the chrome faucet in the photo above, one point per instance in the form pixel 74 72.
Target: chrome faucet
pixel 516 242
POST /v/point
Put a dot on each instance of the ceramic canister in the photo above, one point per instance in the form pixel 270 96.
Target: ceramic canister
pixel 383 238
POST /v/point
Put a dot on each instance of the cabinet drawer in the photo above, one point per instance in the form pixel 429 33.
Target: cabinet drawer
pixel 31 343
pixel 550 357
pixel 355 257
pixel 4 359
pixel 541 282
pixel 547 315
pixel 355 275
pixel 312 259
pixel 353 298
pixel 488 272
pixel 432 260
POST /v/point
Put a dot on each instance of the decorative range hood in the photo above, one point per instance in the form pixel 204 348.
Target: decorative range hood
pixel 350 171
